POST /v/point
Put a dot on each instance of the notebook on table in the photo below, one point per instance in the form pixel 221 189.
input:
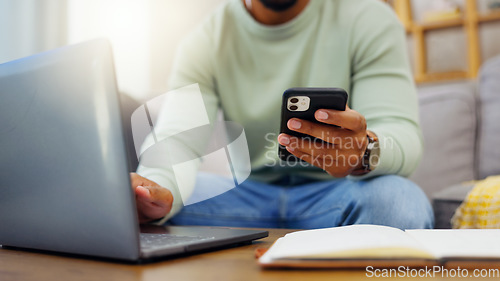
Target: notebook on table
pixel 359 246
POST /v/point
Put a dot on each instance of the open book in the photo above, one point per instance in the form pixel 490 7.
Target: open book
pixel 382 246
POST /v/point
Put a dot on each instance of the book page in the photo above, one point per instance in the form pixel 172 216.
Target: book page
pixel 356 241
pixel 460 243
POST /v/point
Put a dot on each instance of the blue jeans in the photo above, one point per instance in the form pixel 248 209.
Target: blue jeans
pixel 298 203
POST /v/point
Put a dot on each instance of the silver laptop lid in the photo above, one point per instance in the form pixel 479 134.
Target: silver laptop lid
pixel 64 184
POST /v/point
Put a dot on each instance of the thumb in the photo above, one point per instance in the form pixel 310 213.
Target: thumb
pixel 142 192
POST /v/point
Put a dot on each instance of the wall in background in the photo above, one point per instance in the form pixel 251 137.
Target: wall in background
pixel 126 24
pixel 31 26
pixel 144 33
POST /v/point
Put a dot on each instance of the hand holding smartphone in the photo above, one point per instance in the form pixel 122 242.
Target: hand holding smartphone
pixel 302 103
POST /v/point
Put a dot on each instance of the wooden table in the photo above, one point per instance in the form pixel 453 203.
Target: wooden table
pixel 229 264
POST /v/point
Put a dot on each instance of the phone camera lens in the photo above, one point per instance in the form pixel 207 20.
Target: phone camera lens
pixel 294 107
pixel 294 100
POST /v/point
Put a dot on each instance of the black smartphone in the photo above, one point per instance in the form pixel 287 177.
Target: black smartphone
pixel 302 103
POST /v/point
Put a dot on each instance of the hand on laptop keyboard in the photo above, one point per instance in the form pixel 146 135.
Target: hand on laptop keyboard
pixel 153 201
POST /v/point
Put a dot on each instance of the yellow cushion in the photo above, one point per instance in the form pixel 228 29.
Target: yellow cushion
pixel 481 207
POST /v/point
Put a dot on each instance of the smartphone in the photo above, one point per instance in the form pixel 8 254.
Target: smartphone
pixel 302 103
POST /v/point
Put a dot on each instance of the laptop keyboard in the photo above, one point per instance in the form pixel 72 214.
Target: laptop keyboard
pixel 153 240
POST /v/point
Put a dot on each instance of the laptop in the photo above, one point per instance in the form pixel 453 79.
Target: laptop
pixel 64 176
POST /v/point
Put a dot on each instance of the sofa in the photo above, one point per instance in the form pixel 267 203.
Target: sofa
pixel 461 130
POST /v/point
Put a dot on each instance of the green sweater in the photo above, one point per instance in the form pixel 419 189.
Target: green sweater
pixel 243 67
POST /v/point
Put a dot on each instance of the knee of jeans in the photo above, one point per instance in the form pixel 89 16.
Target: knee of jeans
pixel 396 201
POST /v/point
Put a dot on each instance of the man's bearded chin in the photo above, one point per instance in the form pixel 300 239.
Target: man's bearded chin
pixel 278 5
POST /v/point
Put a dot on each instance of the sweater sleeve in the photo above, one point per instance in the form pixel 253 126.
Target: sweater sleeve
pixel 383 91
pixel 179 114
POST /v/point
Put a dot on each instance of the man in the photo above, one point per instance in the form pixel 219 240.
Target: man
pixel 243 57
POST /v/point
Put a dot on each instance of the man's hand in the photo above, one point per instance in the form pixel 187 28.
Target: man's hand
pixel 342 148
pixel 153 201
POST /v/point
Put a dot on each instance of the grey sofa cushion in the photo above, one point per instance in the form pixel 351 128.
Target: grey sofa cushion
pixel 448 120
pixel 489 133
